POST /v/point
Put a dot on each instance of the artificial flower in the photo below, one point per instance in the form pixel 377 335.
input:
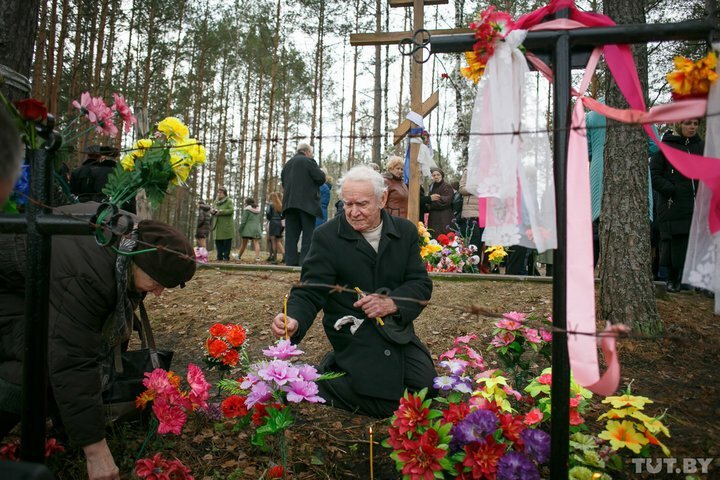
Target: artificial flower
pixel 693 78
pixel 234 406
pixel 275 472
pixel 282 350
pixel 627 401
pixel 536 444
pixel 482 457
pixel 533 417
pixel 623 435
pixel 475 426
pixel 516 466
pixel 301 390
pixel 31 110
pixel 411 413
pixel 124 111
pixel 173 129
pixel 199 387
pixel 422 458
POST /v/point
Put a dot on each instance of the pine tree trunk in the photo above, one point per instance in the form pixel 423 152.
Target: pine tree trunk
pixel 59 59
pixel 353 112
pixel 317 75
pixel 258 139
pixel 149 52
pixel 40 65
pixel 627 293
pixel 100 46
pixel 271 106
pixel 176 57
pixel 107 74
pixel 128 52
pixel 377 97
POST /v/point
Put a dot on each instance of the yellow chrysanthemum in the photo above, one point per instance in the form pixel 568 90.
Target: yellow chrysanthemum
pixel 623 435
pixel 128 163
pixel 628 401
pixel 475 68
pixel 140 147
pixel 173 129
pixel 196 151
pixel 693 78
pixel 181 165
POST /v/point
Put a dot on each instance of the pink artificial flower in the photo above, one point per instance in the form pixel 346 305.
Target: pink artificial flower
pixel 575 401
pixel 502 339
pixel 124 111
pixel 476 359
pixel 83 104
pixel 532 335
pixel 308 373
pixel 279 371
pixel 259 393
pixel 545 379
pixel 465 339
pixel 10 451
pixel 507 324
pixel 52 446
pixel 198 385
pixel 545 335
pixel 450 353
pixel 158 381
pixel 282 350
pixel 533 416
pixel 300 390
pixel 510 391
pixel 171 416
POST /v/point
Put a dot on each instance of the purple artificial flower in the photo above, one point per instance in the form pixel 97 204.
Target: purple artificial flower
pixel 260 393
pixel 282 349
pixel 456 366
pixel 537 444
pixel 213 412
pixel 502 339
pixel 475 427
pixel 463 385
pixel 308 373
pixel 300 390
pixel 444 382
pixel 279 371
pixel 516 466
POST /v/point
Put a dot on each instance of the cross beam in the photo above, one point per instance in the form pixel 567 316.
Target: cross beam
pixel 409 3
pixel 560 46
pixel 404 128
pixel 392 38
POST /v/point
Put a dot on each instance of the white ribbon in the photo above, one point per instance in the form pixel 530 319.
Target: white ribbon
pixel 416 118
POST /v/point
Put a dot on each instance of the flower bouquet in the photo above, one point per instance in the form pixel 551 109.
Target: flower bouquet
pixel 496 254
pixel 692 79
pixel 159 467
pixel 490 27
pixel 447 253
pixel 225 346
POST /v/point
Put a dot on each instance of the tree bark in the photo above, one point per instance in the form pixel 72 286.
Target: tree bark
pixel 18 28
pixel 377 98
pixel 40 65
pixel 627 293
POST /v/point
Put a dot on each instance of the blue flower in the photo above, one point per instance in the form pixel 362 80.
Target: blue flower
pixel 537 444
pixel 516 466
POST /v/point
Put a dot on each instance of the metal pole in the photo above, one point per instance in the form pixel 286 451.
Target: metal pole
pixel 37 288
pixel 560 388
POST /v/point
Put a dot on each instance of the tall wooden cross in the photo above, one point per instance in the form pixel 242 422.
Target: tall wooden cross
pixel 417 104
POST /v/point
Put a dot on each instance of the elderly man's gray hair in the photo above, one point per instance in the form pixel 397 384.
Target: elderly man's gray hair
pixel 306 148
pixel 363 173
pixel 11 149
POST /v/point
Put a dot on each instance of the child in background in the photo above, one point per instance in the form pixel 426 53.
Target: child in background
pixel 202 231
pixel 250 227
pixel 275 226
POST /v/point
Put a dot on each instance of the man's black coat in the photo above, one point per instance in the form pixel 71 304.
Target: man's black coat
pixel 339 255
pixel 301 179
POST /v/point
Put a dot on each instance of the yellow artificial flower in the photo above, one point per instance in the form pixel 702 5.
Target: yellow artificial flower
pixel 173 129
pixel 623 435
pixel 614 414
pixel 475 68
pixel 196 151
pixel 654 441
pixel 628 401
pixel 652 424
pixel 693 78
pixel 128 162
pixel 140 147
pixel 181 166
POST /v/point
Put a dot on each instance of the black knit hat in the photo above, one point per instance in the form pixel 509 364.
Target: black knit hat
pixel 166 267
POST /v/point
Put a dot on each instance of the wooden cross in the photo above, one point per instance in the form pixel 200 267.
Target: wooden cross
pixel 416 98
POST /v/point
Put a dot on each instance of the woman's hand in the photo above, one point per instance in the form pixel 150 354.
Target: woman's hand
pixel 435 197
pixel 100 462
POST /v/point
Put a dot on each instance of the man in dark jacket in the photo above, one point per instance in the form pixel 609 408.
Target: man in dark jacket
pixel 93 292
pixel 372 335
pixel 301 179
pixel 11 154
pixel 88 180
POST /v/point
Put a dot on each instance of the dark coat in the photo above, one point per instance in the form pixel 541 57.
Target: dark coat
pixel 204 222
pixel 275 225
pixel 83 295
pixel 397 201
pixel 440 211
pixel 341 256
pixel 676 192
pixel 301 179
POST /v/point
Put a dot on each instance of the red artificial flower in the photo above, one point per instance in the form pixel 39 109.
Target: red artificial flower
pixel 231 358
pixel 52 446
pixel 410 414
pixel 260 412
pixel 10 451
pixel 444 75
pixel 216 348
pixel 451 236
pixel 218 330
pixel 533 416
pixel 456 412
pixel 512 426
pixel 275 472
pixel 545 379
pixel 234 406
pixel 235 335
pixel 422 458
pixel 443 239
pixel 31 109
pixel 482 457
pixel 575 418
pixel 395 440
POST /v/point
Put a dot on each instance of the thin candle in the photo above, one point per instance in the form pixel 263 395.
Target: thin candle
pixel 285 300
pixel 371 453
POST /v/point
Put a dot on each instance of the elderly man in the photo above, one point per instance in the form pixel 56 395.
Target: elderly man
pixel 372 335
pixel 11 154
pixel 301 179
pixel 93 292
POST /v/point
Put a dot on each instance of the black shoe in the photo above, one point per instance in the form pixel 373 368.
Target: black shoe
pixel 673 287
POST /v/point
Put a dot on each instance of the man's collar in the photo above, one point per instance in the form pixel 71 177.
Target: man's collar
pixel 345 230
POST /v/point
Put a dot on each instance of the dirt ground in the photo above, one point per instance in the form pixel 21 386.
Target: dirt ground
pixel 679 372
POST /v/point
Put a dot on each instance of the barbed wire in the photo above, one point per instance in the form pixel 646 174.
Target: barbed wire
pixel 614 126
pixel 474 309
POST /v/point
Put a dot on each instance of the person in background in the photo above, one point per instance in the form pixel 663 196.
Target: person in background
pixel 93 293
pixel 469 225
pixel 676 200
pixel 325 189
pixel 250 228
pixel 380 361
pixel 276 226
pixel 222 213
pixel 88 180
pixel 301 179
pixel 457 202
pixel 11 155
pixel 204 222
pixel 397 201
pixel 440 207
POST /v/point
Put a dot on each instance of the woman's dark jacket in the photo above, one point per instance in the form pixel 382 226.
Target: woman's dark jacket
pixel 440 215
pixel 676 192
pixel 275 226
pixel 204 222
pixel 339 255
pixel 83 296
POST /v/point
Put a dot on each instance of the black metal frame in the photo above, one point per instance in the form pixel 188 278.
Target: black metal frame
pixel 567 49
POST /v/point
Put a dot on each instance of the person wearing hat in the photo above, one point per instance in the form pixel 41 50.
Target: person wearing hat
pixel 93 294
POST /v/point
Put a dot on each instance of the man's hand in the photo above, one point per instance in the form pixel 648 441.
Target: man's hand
pixel 376 305
pixel 278 326
pixel 435 197
pixel 100 462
